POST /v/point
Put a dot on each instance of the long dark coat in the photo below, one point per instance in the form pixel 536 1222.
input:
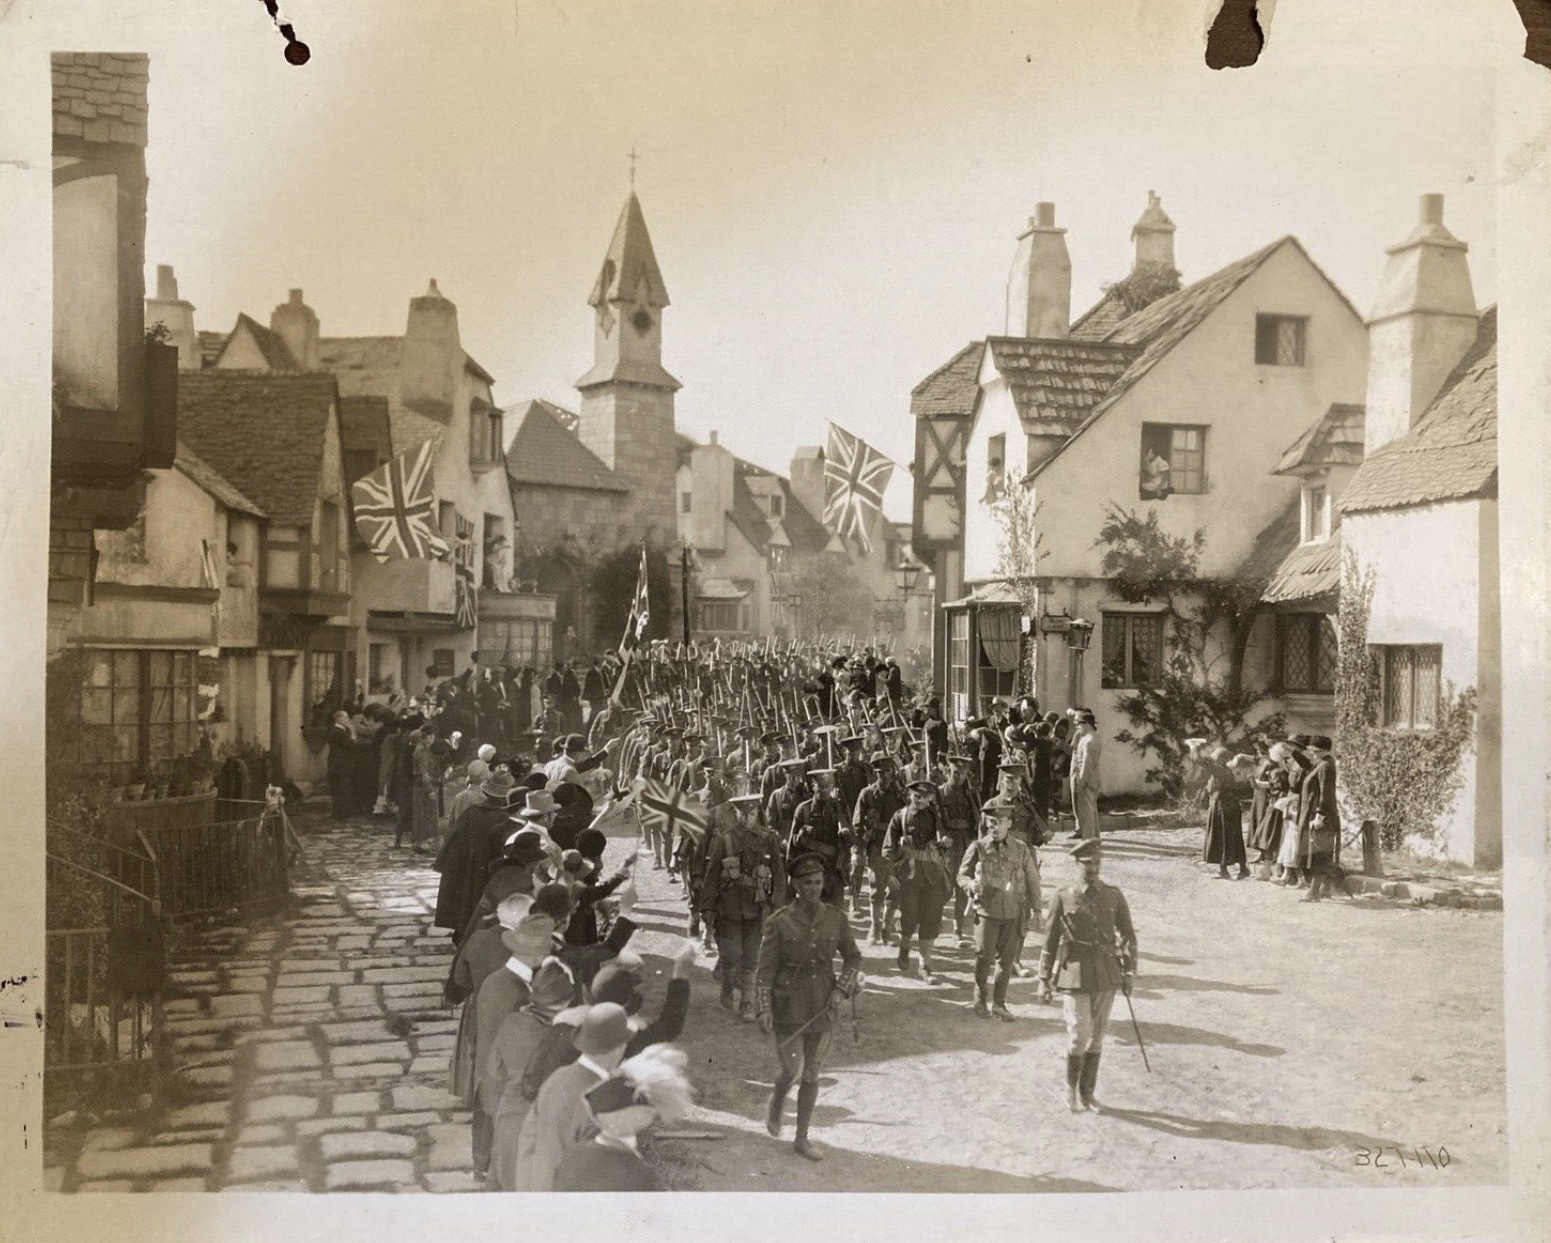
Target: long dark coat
pixel 1224 843
pixel 464 862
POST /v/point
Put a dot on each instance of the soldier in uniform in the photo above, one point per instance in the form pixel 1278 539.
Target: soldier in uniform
pixel 875 807
pixel 797 984
pixel 818 827
pixel 1089 952
pixel 1027 824
pixel 745 880
pixel 999 873
pixel 961 809
pixel 768 759
pixel 914 843
pixel 782 805
pixel 852 776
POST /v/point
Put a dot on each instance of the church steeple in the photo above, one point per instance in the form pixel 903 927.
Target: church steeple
pixel 628 299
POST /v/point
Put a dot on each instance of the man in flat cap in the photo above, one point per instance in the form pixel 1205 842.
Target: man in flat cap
pixel 1089 953
pixel 796 984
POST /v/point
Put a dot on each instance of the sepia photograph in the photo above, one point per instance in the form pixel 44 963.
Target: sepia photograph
pixel 822 599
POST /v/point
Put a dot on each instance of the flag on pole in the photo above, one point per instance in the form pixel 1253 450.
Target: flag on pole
pixel 855 477
pixel 640 614
pixel 394 508
pixel 466 591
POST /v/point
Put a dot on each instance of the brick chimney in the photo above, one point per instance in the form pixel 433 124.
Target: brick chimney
pixel 1039 291
pixel 1423 321
pixel 1153 234
pixel 178 316
pixel 432 359
pixel 297 325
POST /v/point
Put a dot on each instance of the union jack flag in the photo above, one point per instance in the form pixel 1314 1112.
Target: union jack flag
pixel 394 507
pixel 640 613
pixel 467 593
pixel 855 476
pixel 668 809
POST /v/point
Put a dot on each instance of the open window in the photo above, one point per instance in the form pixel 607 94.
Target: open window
pixel 1280 340
pixel 1173 459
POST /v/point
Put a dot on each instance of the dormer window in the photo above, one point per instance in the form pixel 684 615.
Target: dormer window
pixel 1280 340
pixel 1316 513
pixel 777 505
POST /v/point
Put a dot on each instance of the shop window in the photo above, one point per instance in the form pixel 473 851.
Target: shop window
pixel 717 615
pixel 324 686
pixel 516 642
pixel 1132 650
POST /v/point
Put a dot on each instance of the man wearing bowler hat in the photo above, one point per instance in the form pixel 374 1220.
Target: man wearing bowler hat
pixel 1089 953
pixel 796 983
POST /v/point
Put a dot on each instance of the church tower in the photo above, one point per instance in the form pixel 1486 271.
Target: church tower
pixel 626 413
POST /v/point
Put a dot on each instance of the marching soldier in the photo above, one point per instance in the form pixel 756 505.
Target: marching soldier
pixel 1089 952
pixel 818 828
pixel 914 842
pixel 961 809
pixel 797 984
pixel 782 805
pixel 1027 825
pixel 745 881
pixel 1000 874
pixel 875 807
pixel 852 776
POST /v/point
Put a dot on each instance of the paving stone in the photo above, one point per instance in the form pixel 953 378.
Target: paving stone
pixel 310 996
pixel 181 1005
pixel 206 1077
pixel 414 1096
pixel 145 1162
pixel 350 1054
pixel 403 975
pixel 364 1174
pixel 428 989
pixel 200 1044
pixel 369 1071
pixel 248 984
pixel 179 1184
pixel 286 1055
pixel 398 1122
pixel 108 1184
pixel 203 1135
pixel 291 1186
pixel 451 1154
pixel 356 1103
pixel 251 1164
pixel 358 1032
pixel 428 1064
pixel 314 979
pixel 347 1144
pixel 202 1027
pixel 322 1126
pixel 448 1183
pixel 433 1044
pixel 274 1108
pixel 352 944
pixel 261 1133
pixel 109 1139
pixel 270 1034
pixel 358 995
pixel 231 1005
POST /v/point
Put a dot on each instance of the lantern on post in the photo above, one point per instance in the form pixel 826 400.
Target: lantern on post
pixel 1079 633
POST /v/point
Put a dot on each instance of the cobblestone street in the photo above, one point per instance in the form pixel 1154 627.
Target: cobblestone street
pixel 311 1050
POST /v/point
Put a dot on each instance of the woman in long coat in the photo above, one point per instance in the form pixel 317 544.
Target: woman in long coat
pixel 1224 843
pixel 1272 784
pixel 515 1043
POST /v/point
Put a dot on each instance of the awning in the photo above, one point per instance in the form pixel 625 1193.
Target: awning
pixel 998 592
pixel 721 589
pixel 1310 572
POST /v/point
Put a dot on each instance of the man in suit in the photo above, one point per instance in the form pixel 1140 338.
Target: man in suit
pixel 1089 953
pixel 1319 823
pixel 1085 777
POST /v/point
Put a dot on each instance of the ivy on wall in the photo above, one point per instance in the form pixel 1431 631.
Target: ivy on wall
pixel 1406 780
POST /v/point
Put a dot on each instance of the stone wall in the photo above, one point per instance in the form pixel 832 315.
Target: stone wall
pixel 640 422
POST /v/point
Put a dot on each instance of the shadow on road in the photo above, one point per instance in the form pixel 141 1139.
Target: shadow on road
pixel 1172 1033
pixel 1306 1139
pixel 1189 984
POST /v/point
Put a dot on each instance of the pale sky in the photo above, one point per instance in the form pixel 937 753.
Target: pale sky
pixel 834 191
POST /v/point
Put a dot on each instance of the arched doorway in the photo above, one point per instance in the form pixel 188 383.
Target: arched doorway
pixel 558 576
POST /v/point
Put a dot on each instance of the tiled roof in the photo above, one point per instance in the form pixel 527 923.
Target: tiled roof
pixel 723 589
pixel 1335 439
pixel 953 389
pixel 569 419
pixel 1308 572
pixel 745 513
pixel 263 432
pixel 543 454
pixel 101 96
pixel 1100 319
pixel 803 527
pixel 1273 544
pixel 213 482
pixel 1056 383
pixel 277 354
pixel 1451 453
pixel 369 366
pixel 996 591
pixel 364 426
pixel 210 346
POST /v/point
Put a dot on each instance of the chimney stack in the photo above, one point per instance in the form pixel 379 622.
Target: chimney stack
pixel 1423 321
pixel 1153 234
pixel 178 316
pixel 432 359
pixel 297 325
pixel 1039 291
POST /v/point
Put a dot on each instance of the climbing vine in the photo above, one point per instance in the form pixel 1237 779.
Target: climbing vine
pixel 1019 550
pixel 1406 780
pixel 1144 285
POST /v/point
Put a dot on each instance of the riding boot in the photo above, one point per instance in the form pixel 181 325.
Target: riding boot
pixel 728 985
pixel 875 933
pixel 1088 1079
pixel 777 1104
pixel 748 1012
pixel 807 1097
pixel 903 961
pixel 1073 1074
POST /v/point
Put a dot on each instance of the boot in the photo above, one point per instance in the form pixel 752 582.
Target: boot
pixel 1073 1073
pixel 903 961
pixel 727 999
pixel 982 1010
pixel 747 1011
pixel 875 933
pixel 1088 1079
pixel 777 1104
pixel 1316 888
pixel 928 976
pixel 807 1097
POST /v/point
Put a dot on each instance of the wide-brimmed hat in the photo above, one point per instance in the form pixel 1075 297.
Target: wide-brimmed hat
pixel 539 803
pixel 497 786
pixel 575 742
pixel 880 760
pixel 552 987
pixel 523 846
pixel 997 807
pixel 530 939
pixel 741 799
pixel 799 762
pixel 605 1027
pixel 619 982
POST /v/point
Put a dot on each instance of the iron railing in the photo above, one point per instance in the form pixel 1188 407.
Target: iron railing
pixel 210 869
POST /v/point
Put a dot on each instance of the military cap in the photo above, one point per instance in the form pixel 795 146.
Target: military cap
pixel 744 798
pixel 852 740
pixel 1011 766
pixel 806 865
pixel 996 807
pixel 692 736
pixel 770 737
pixel 880 760
pixel 1086 849
pixel 963 761
pixel 922 784
pixel 799 762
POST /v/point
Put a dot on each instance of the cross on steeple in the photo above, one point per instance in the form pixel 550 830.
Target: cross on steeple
pixel 633 158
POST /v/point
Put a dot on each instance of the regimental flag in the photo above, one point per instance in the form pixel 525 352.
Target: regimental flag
pixel 395 507
pixel 668 810
pixel 855 476
pixel 466 592
pixel 640 614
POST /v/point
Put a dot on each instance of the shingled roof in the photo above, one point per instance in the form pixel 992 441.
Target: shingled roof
pixel 953 389
pixel 369 367
pixel 263 432
pixel 1102 318
pixel 1451 453
pixel 213 482
pixel 276 353
pixel 101 96
pixel 544 454
pixel 1334 439
pixel 1310 572
pixel 1056 383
